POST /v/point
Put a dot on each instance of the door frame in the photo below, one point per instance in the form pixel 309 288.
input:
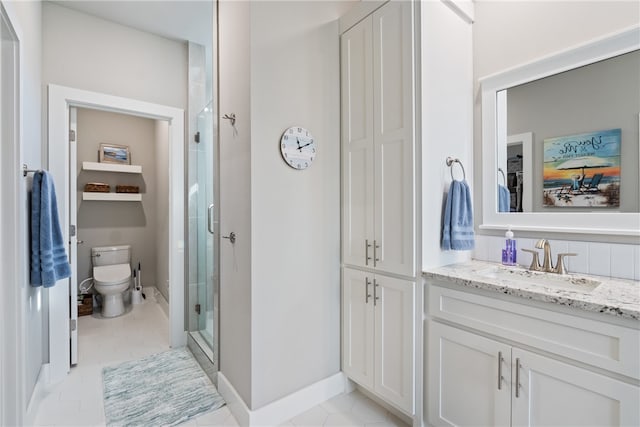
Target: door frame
pixel 61 98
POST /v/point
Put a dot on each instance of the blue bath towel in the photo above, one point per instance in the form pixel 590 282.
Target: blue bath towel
pixel 504 199
pixel 49 262
pixel 457 229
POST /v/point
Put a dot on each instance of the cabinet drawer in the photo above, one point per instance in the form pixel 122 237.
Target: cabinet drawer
pixel 611 347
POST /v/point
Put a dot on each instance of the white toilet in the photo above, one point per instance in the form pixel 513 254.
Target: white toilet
pixel 111 276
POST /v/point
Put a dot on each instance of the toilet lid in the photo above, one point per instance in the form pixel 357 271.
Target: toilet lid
pixel 111 273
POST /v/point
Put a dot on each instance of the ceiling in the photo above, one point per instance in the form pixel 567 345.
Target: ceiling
pixel 174 19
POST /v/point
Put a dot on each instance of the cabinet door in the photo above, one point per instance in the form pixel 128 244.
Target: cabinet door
pixel 553 393
pixel 394 340
pixel 394 147
pixel 357 326
pixel 357 144
pixel 463 379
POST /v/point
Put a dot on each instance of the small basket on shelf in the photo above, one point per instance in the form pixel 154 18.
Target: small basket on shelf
pixel 85 305
pixel 131 189
pixel 97 187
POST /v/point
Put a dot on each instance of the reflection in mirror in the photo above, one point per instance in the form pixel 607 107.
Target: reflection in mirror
pixel 566 103
pixel 569 142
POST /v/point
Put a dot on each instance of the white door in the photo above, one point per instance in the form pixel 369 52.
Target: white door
pixel 394 343
pixel 463 372
pixel 393 118
pixel 73 233
pixel 357 145
pixel 358 324
pixel 553 393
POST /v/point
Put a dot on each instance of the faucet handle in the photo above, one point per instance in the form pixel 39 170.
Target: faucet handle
pixel 535 263
pixel 560 268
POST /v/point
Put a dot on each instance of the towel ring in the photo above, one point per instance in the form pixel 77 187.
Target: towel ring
pixel 450 162
pixel 504 178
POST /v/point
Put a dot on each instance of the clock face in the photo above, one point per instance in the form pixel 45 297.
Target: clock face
pixel 298 147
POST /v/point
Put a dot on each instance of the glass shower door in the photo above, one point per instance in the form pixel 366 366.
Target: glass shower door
pixel 203 241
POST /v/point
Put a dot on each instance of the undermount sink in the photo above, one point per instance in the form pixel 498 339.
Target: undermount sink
pixel 550 280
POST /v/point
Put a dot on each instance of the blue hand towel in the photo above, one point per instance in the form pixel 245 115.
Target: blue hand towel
pixel 49 262
pixel 457 230
pixel 504 199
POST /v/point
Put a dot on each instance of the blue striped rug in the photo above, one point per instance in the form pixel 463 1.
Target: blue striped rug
pixel 162 389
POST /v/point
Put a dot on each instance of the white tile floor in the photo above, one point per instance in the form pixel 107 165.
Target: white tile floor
pixel 77 401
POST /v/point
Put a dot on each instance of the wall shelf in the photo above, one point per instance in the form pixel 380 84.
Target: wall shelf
pixel 111 167
pixel 113 197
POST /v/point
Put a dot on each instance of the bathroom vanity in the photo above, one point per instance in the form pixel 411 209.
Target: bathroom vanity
pixel 507 346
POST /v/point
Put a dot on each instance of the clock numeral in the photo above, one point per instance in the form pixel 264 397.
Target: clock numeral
pixel 313 150
pixel 298 165
pixel 290 130
pixel 290 161
pixel 286 155
pixel 286 137
pixel 311 141
pixel 311 159
pixel 299 129
pixel 306 164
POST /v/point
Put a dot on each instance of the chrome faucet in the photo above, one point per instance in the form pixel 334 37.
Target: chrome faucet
pixel 547 266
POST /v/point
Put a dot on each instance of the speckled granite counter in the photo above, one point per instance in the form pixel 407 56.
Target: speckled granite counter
pixel 614 297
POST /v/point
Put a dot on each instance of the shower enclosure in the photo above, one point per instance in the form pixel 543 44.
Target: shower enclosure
pixel 202 298
pixel 203 236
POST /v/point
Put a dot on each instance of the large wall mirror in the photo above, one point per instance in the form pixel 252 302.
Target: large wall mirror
pixel 561 141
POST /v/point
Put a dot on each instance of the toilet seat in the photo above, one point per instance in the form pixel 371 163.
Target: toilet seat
pixel 106 275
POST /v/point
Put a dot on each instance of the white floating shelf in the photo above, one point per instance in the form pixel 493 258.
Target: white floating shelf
pixel 111 167
pixel 112 197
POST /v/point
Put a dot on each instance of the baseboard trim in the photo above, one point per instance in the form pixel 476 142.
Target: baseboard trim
pixel 276 413
pixel 38 395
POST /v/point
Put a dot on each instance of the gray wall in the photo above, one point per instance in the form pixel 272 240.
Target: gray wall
pixel 33 346
pixel 605 95
pixel 104 223
pixel 508 34
pixel 85 52
pixel 161 147
pixel 279 320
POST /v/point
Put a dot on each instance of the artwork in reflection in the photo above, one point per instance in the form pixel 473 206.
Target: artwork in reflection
pixel 582 170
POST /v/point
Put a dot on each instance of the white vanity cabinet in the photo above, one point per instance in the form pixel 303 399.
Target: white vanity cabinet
pixel 378 141
pixel 378 335
pixel 481 374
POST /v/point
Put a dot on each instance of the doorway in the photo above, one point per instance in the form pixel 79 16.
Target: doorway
pixel 62 297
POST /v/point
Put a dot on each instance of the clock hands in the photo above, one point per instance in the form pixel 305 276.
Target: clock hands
pixel 300 148
pixel 298 142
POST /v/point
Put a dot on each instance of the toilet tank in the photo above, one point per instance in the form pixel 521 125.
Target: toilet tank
pixel 110 255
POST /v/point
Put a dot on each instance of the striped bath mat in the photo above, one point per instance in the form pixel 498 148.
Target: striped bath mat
pixel 162 389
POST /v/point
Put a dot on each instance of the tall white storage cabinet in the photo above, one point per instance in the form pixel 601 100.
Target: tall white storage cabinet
pixel 379 203
pixel 378 143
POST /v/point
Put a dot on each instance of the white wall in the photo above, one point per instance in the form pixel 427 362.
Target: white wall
pixel 32 347
pixel 507 34
pixel 295 214
pixel 102 223
pixel 89 53
pixel 446 120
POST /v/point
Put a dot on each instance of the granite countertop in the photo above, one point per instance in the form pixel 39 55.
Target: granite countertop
pixel 615 297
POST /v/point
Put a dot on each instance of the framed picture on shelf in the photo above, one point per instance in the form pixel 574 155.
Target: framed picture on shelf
pixel 113 153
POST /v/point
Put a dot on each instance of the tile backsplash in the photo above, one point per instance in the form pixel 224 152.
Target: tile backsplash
pixel 602 259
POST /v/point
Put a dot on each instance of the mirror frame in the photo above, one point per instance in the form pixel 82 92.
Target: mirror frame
pixel 604 223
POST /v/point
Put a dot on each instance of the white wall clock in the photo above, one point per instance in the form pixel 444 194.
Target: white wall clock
pixel 298 147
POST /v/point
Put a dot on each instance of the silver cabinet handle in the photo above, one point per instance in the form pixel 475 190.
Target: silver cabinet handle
pixel 375 253
pixel 517 377
pixel 210 218
pixel 500 359
pixel 367 294
pixel 367 245
pixel 231 237
pixel 375 292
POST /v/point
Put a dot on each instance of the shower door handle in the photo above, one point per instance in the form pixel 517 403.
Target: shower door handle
pixel 210 218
